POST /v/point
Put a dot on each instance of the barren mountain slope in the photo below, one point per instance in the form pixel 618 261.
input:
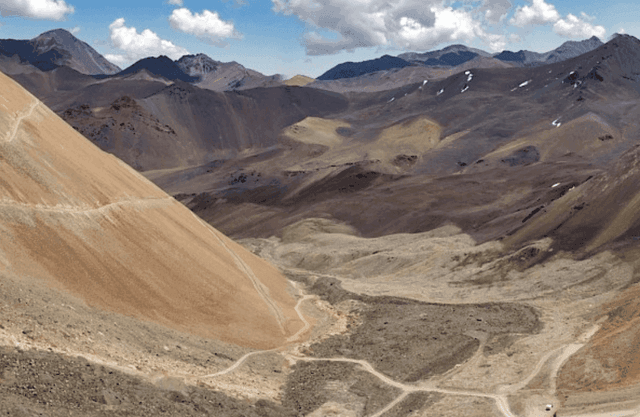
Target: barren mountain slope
pixel 483 149
pixel 184 126
pixel 79 55
pixel 398 77
pixel 81 220
pixel 465 246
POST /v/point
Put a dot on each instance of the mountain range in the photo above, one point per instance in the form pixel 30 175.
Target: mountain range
pixel 450 239
pixel 456 55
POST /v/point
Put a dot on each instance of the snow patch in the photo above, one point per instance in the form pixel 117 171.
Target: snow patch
pixel 424 82
pixel 555 185
pixel 392 98
pixel 524 83
pixel 470 77
pixel 466 87
pixel 555 122
pixel 467 72
pixel 440 92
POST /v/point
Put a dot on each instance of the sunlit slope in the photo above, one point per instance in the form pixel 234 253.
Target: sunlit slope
pixel 82 220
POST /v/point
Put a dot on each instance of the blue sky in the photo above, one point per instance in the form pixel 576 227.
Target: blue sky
pixel 310 36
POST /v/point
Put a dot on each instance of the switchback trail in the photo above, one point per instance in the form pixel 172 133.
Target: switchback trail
pixel 499 397
pixel 295 337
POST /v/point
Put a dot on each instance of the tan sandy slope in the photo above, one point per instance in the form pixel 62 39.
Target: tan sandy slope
pixel 299 80
pixel 83 221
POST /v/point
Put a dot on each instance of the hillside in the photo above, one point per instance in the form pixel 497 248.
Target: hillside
pixel 355 69
pixel 456 240
pixel 81 221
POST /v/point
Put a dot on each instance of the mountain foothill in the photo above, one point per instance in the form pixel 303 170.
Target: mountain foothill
pixel 431 234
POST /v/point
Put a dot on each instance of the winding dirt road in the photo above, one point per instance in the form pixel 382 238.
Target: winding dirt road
pixel 499 397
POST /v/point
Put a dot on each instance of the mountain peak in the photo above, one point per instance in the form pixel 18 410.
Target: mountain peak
pixel 197 65
pixel 162 66
pixel 74 52
pixel 57 32
pixel 355 69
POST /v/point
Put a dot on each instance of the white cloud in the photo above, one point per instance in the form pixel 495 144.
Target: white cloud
pixel 175 2
pixel 574 27
pixel 36 9
pixel 346 25
pixel 119 60
pixel 495 10
pixel 136 46
pixel 206 25
pixel 449 25
pixel 75 30
pixel 410 24
pixel 539 13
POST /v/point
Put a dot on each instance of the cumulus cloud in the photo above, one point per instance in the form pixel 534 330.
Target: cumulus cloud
pixel 175 2
pixel 539 13
pixel 495 10
pixel 206 25
pixel 411 24
pixel 136 46
pixel 36 9
pixel 574 27
pixel 75 30
pixel 345 25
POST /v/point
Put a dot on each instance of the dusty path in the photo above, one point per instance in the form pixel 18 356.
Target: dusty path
pixel 500 396
pixel 500 399
pixel 146 202
pixel 295 337
pixel 307 325
pixel 11 134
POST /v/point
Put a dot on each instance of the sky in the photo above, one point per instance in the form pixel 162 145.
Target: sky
pixel 309 37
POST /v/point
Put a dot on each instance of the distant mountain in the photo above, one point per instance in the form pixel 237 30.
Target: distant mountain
pixel 162 66
pixel 398 77
pixel 198 65
pixel 299 80
pixel 224 76
pixel 355 69
pixel 56 48
pixel 567 50
pixel 450 56
pixel 83 58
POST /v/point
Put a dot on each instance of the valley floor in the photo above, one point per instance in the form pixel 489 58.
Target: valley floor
pixel 357 355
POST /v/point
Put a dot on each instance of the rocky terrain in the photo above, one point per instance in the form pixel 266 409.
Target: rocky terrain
pixel 460 243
